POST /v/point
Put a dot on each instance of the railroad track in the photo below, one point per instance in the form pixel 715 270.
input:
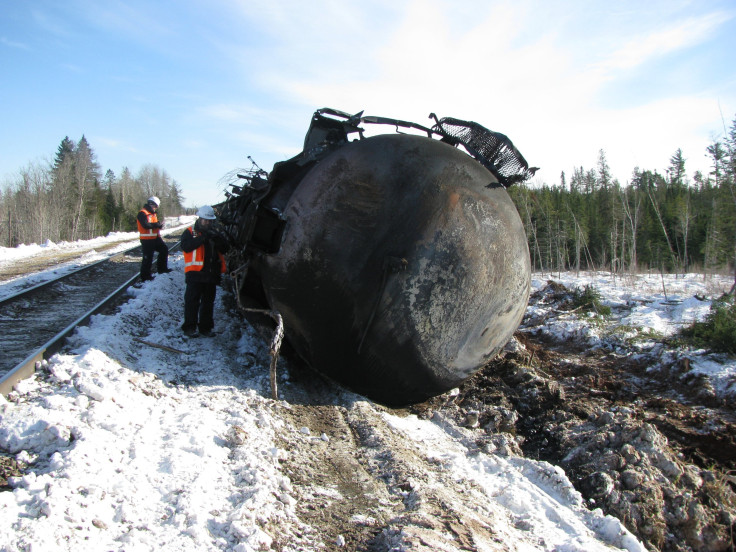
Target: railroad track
pixel 35 322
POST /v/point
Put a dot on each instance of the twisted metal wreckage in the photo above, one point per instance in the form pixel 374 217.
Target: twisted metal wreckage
pixel 397 264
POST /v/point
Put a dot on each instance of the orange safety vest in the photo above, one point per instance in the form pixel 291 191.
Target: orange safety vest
pixel 194 260
pixel 147 233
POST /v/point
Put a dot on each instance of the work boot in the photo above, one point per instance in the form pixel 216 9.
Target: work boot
pixel 190 332
pixel 165 271
pixel 206 333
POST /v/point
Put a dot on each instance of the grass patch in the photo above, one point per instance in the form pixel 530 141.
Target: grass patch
pixel 718 330
pixel 636 334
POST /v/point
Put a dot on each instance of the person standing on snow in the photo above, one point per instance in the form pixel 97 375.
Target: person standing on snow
pixel 204 263
pixel 149 229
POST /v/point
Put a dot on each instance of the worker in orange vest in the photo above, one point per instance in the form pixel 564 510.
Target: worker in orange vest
pixel 149 229
pixel 204 246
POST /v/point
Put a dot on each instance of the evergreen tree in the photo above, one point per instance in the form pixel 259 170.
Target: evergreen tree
pixel 731 152
pixel 718 159
pixel 64 152
pixel 175 198
pixel 86 179
pixel 108 182
pixel 676 173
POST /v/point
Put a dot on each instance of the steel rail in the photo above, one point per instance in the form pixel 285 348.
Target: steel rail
pixel 76 271
pixel 73 272
pixel 27 367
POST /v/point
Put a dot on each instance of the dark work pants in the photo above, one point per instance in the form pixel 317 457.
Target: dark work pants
pixel 199 304
pixel 149 248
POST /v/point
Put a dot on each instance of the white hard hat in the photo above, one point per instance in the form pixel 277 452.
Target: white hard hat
pixel 155 200
pixel 206 212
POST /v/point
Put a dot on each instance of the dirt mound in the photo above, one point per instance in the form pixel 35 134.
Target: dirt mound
pixel 662 467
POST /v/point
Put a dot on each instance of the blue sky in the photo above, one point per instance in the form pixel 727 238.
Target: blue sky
pixel 197 87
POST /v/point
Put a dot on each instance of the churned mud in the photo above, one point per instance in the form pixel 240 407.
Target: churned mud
pixel 652 449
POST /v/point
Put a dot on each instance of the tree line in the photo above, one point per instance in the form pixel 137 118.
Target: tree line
pixel 70 199
pixel 654 221
pixel 664 222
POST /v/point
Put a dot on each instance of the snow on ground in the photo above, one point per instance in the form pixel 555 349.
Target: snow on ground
pixel 660 303
pixel 645 308
pixel 131 447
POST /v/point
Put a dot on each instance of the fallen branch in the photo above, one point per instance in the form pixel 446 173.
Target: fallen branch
pixel 164 347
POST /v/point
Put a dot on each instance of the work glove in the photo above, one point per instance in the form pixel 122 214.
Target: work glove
pixel 218 240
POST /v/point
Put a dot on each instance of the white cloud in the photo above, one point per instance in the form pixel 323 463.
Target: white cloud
pixel 51 23
pixel 645 136
pixel 539 88
pixel 651 43
pixel 236 78
pixel 14 44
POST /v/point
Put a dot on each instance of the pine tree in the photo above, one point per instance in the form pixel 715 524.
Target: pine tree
pixel 718 159
pixel 62 187
pixel 676 172
pixel 64 152
pixel 175 199
pixel 86 177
